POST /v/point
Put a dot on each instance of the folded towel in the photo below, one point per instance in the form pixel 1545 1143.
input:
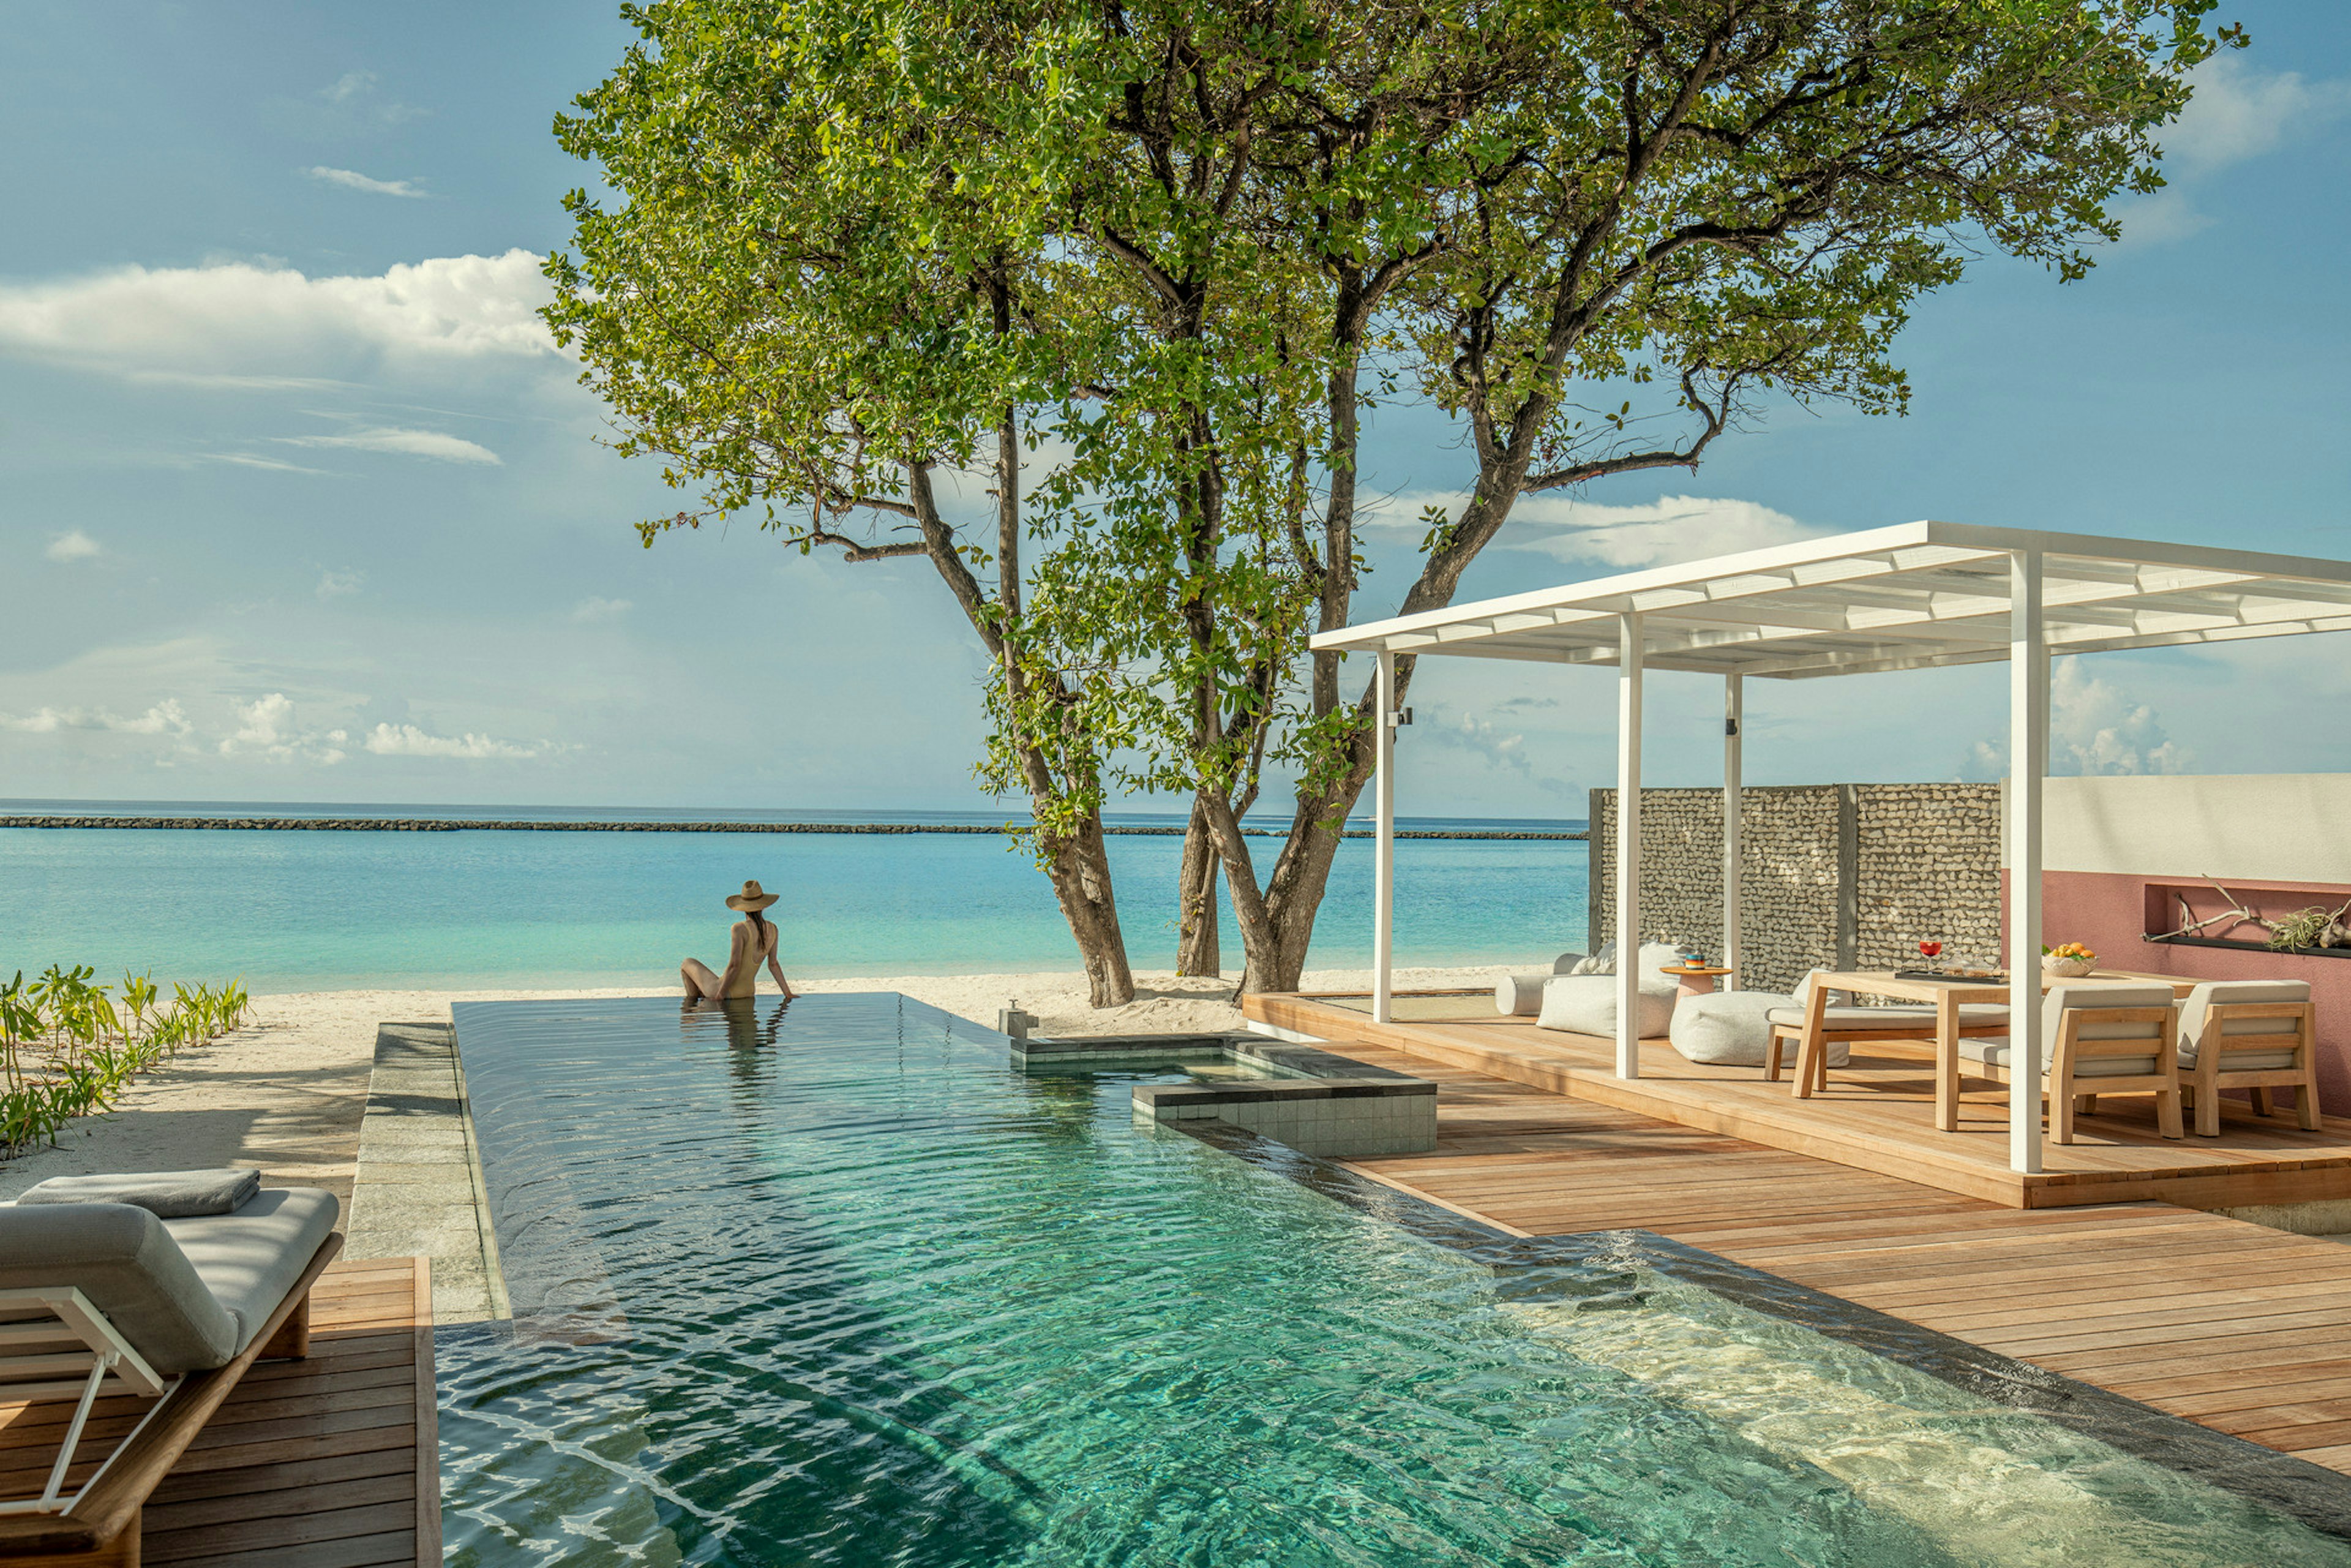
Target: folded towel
pixel 167 1195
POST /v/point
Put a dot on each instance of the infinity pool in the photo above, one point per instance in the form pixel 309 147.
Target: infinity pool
pixel 835 1284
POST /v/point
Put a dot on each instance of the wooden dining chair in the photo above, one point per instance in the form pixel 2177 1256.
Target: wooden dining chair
pixel 2254 1035
pixel 2096 1039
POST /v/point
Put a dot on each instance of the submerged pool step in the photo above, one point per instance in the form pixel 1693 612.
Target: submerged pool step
pixel 1336 1118
pixel 1317 1102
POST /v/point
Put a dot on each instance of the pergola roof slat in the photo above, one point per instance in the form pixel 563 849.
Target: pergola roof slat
pixel 1908 597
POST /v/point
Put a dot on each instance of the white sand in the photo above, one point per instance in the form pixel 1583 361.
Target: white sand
pixel 287 1093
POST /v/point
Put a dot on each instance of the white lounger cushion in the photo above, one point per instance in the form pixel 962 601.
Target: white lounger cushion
pixel 2233 1059
pixel 170 1195
pixel 122 1259
pixel 187 1294
pixel 249 1259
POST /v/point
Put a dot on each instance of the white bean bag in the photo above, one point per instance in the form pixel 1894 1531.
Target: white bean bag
pixel 1586 1004
pixel 1733 1028
pixel 1520 996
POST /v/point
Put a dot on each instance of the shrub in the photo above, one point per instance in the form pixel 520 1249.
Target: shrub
pixel 68 1046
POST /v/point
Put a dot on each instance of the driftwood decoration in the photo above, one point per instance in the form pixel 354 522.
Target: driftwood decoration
pixel 2316 927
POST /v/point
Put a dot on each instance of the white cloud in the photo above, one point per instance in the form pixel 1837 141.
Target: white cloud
pixel 245 319
pixel 335 584
pixel 432 443
pixel 74 545
pixel 2236 112
pixel 2094 729
pixel 267 727
pixel 2239 111
pixel 164 719
pixel 407 740
pixel 594 608
pixel 1658 533
pixel 359 93
pixel 246 460
pixel 351 179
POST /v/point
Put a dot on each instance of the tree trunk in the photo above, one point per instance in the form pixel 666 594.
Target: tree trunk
pixel 1079 868
pixel 1196 952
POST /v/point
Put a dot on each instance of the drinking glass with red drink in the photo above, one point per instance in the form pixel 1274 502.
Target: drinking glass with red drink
pixel 1930 951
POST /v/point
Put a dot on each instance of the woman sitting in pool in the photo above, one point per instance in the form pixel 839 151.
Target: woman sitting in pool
pixel 755 942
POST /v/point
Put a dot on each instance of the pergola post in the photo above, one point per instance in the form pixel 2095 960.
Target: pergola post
pixel 2028 762
pixel 1628 846
pixel 1734 699
pixel 1384 843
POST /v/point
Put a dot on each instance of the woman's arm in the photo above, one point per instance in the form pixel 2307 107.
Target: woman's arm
pixel 778 970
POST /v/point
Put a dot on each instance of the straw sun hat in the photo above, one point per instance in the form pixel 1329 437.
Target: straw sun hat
pixel 751 897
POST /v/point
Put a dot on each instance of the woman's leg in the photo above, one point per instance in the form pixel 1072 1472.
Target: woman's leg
pixel 700 982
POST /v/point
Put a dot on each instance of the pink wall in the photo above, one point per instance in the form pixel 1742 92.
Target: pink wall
pixel 2109 913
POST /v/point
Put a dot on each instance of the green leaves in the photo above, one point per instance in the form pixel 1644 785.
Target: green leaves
pixel 66 1049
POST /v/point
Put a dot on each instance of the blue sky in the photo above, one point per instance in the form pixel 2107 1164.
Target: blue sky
pixel 297 504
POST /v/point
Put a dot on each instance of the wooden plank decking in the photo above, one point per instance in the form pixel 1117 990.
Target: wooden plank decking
pixel 1877 1115
pixel 331 1463
pixel 2242 1329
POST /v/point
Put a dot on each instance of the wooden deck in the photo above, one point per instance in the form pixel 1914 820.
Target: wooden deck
pixel 332 1462
pixel 1877 1115
pixel 2242 1329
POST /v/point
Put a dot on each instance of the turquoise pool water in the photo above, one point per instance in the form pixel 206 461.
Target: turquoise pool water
pixel 834 1285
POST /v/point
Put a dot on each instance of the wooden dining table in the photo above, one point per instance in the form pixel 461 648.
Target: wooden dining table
pixel 1947 996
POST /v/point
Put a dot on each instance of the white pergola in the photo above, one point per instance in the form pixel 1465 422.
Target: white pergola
pixel 1915 596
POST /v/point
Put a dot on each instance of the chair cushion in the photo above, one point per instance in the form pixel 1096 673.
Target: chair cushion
pixel 1586 1004
pixel 133 1270
pixel 1992 1050
pixel 1565 963
pixel 2245 1060
pixel 1733 1028
pixel 2192 1010
pixel 249 1259
pixel 1896 1020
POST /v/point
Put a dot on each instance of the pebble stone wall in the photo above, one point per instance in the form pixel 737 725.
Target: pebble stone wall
pixel 1835 875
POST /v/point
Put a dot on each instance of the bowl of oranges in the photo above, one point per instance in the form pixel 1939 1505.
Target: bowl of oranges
pixel 2069 959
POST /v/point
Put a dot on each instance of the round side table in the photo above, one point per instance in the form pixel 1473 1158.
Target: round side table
pixel 1697 980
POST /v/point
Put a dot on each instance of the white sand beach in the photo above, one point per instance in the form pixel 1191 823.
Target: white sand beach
pixel 287 1093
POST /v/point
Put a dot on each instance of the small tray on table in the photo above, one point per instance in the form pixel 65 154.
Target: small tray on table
pixel 1954 976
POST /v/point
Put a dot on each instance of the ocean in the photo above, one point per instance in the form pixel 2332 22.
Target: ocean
pixel 292 911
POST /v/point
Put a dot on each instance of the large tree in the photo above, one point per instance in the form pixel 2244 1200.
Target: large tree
pixel 868 244
pixel 1691 207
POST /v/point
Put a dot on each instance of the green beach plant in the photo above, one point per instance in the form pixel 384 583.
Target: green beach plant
pixel 68 1047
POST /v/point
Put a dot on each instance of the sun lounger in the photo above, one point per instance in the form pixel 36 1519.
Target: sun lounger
pixel 108 1299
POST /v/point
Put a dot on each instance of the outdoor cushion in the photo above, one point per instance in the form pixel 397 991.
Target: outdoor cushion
pixel 1733 1028
pixel 1519 995
pixel 1565 963
pixel 1586 1004
pixel 1652 957
pixel 249 1259
pixel 2231 992
pixel 130 1268
pixel 1894 1020
pixel 168 1195
pixel 1992 1050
